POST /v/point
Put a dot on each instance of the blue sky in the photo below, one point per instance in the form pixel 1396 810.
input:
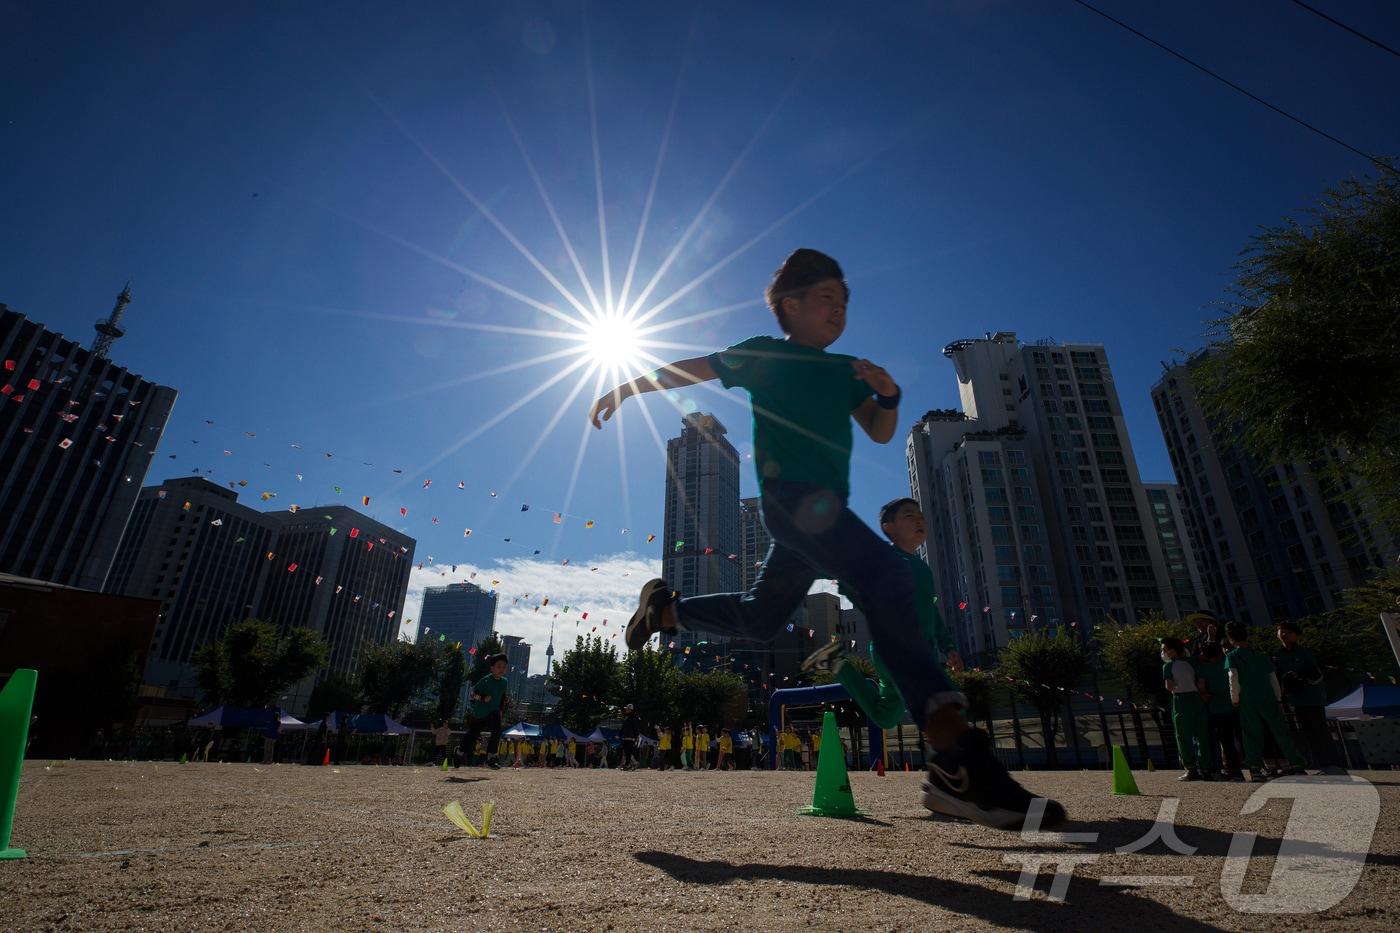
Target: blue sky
pixel 341 223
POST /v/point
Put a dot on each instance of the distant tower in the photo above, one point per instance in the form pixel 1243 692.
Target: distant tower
pixel 549 651
pixel 111 329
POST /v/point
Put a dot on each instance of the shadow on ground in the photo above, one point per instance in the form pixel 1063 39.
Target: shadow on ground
pixel 991 903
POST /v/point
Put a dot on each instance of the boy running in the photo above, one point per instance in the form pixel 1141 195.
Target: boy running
pixel 804 400
pixel 485 713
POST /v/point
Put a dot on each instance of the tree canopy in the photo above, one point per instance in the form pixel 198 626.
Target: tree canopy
pixel 255 661
pixel 1308 360
pixel 393 675
pixel 585 680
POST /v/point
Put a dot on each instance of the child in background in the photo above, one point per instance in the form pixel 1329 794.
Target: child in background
pixel 1225 719
pixel 1188 712
pixel 903 523
pixel 1306 696
pixel 1255 692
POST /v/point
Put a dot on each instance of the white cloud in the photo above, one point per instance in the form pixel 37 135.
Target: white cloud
pixel 606 588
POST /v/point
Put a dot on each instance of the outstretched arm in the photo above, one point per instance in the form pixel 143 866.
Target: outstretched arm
pixel 671 376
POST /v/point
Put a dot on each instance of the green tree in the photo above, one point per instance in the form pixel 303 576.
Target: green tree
pixel 333 692
pixel 1363 645
pixel 1133 654
pixel 452 673
pixel 977 687
pixel 586 682
pixel 650 682
pixel 1042 668
pixel 392 675
pixel 712 698
pixel 255 661
pixel 1308 361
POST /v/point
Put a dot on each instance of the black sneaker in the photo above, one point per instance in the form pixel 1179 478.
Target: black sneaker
pixel 968 781
pixel 1206 774
pixel 826 660
pixel 1260 775
pixel 1191 775
pixel 646 621
pixel 493 764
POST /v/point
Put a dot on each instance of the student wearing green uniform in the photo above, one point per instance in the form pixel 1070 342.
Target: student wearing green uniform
pixel 485 712
pixel 1188 712
pixel 903 523
pixel 1301 679
pixel 804 400
pixel 1255 692
pixel 1224 718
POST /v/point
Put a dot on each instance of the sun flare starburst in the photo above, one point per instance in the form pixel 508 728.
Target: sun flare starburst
pixel 614 342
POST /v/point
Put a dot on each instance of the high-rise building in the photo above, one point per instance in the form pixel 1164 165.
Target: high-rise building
pixel 701 524
pixel 1270 541
pixel 77 433
pixel 463 612
pixel 1037 513
pixel 213 562
pixel 1187 588
pixel 517 654
pixel 754 542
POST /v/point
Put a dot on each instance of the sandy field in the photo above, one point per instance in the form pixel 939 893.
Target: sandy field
pixel 169 847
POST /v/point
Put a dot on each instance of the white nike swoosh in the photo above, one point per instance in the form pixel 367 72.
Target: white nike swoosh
pixel 958 782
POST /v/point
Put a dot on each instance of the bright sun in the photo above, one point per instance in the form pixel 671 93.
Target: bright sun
pixel 614 342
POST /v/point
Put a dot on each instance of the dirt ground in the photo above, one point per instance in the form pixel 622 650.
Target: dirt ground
pixel 168 847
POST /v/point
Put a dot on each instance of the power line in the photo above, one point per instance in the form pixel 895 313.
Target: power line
pixel 1340 25
pixel 1303 123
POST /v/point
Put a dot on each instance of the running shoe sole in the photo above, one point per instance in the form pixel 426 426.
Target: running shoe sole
pixel 655 596
pixel 938 800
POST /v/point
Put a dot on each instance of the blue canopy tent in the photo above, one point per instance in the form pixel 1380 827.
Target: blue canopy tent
pixel 242 717
pixel 814 696
pixel 1368 701
pixel 523 730
pixel 377 724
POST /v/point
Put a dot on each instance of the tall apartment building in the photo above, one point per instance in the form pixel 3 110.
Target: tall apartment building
pixel 77 433
pixel 1169 517
pixel 701 524
pixel 517 654
pixel 463 612
pixel 1271 544
pixel 754 542
pixel 212 562
pixel 1038 516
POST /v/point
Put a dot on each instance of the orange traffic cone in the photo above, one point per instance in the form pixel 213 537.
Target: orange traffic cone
pixel 880 767
pixel 906 766
pixel 325 761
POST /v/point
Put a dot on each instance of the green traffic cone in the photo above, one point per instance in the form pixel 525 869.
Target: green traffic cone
pixel 184 758
pixel 444 762
pixel 16 703
pixel 832 794
pixel 1123 781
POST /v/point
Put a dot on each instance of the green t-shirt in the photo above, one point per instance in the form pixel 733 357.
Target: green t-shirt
pixel 1303 662
pixel 1217 685
pixel 494 690
pixel 926 602
pixel 1253 669
pixel 802 401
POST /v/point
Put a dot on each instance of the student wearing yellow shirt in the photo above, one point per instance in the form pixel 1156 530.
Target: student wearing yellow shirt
pixel 687 748
pixel 663 744
pixel 725 761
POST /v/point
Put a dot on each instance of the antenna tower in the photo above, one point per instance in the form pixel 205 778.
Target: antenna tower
pixel 111 329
